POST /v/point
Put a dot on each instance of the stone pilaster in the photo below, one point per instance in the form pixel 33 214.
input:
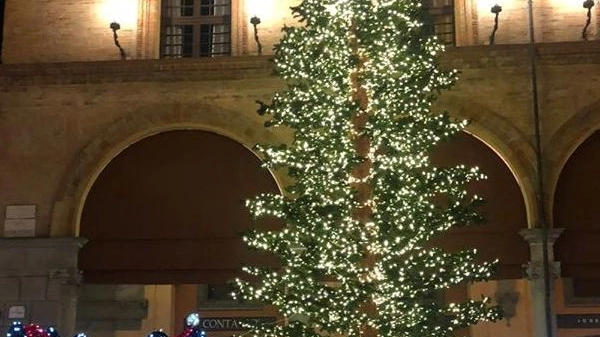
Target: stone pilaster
pixel 535 272
pixel 41 277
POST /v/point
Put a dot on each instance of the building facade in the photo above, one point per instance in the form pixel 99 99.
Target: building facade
pixel 126 155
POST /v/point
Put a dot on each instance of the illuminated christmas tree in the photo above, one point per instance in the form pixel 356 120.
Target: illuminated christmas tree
pixel 355 251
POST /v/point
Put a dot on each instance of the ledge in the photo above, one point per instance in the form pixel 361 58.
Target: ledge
pixel 52 243
pixel 247 67
pixel 162 70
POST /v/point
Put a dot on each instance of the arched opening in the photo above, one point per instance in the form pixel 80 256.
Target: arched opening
pixel 166 216
pixel 169 209
pixel 576 210
pixel 504 208
pixel 498 238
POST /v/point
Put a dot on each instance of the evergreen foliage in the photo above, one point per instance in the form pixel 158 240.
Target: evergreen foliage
pixel 355 255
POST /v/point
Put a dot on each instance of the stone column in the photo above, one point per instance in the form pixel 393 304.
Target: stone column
pixel 535 274
pixel 40 277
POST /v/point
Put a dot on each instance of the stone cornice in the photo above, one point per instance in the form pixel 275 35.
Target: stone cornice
pixel 249 67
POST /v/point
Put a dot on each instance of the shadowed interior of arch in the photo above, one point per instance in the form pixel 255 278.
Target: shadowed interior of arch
pixel 504 207
pixel 170 210
pixel 576 210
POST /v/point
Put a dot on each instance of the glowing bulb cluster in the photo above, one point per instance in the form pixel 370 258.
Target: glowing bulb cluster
pixel 363 70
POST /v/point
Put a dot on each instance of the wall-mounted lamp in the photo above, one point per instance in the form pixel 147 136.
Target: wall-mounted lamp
pixel 587 4
pixel 114 26
pixel 255 21
pixel 496 9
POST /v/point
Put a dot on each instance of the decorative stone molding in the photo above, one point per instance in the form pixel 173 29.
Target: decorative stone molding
pixel 67 276
pixel 43 255
pixel 541 289
pixel 535 270
pixel 535 238
pixel 55 243
pixel 536 235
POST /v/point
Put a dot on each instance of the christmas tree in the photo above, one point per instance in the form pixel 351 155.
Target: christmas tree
pixel 355 251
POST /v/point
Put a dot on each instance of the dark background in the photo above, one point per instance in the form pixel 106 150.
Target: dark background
pixel 1 26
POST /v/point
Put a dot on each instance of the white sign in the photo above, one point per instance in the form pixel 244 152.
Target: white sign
pixel 20 212
pixel 16 312
pixel 19 228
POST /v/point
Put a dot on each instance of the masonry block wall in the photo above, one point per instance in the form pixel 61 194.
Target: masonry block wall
pixel 38 281
pixel 47 126
pixel 104 309
pixel 63 30
pixel 51 115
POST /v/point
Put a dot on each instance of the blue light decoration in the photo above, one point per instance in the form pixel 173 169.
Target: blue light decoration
pixel 52 332
pixel 158 333
pixel 16 330
pixel 193 320
pixel 192 327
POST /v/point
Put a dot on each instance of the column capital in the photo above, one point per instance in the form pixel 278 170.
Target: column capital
pixel 536 235
pixel 535 270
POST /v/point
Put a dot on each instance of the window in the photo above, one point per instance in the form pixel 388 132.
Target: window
pixel 218 296
pixel 439 19
pixel 196 28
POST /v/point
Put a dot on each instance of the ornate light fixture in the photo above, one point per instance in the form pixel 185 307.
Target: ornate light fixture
pixel 255 21
pixel 265 12
pixel 121 15
pixel 587 4
pixel 114 26
pixel 496 9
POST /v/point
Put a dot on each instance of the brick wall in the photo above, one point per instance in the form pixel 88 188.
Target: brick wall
pixel 554 21
pixel 50 114
pixel 66 30
pixel 61 30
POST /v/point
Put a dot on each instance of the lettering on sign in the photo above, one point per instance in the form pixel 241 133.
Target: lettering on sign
pixel 20 212
pixel 232 323
pixel 580 321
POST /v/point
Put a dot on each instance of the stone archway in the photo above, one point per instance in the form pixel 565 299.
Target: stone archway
pixel 167 212
pixel 246 129
pixel 173 205
pixel 504 209
pixel 576 210
pixel 507 141
pixel 564 142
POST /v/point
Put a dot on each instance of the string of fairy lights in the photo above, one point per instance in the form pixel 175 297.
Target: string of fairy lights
pixel 340 273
